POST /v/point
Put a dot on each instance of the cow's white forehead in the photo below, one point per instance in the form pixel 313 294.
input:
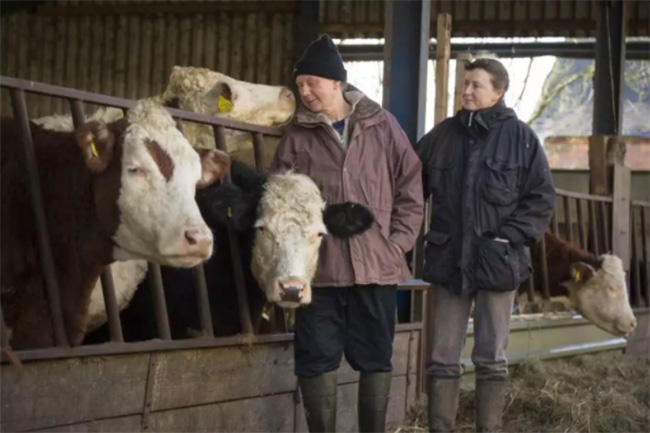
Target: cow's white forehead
pixel 186 80
pixel 611 272
pixel 148 120
pixel 292 196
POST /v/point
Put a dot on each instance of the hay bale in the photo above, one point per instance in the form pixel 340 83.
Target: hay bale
pixel 590 393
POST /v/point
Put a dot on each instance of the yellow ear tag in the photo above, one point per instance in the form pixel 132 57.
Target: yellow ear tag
pixel 229 212
pixel 93 148
pixel 224 104
pixel 577 275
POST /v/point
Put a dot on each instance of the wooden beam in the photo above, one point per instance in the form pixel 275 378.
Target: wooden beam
pixel 460 78
pixel 180 8
pixel 621 241
pixel 443 52
pixel 604 152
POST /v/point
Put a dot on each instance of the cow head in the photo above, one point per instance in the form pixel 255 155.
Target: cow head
pixel 207 92
pixel 145 179
pixel 600 294
pixel 290 218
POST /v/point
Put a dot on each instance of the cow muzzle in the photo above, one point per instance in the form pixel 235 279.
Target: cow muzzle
pixel 291 290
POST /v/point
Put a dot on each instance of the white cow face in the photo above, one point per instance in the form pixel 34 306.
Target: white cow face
pixel 289 228
pixel 147 175
pixel 601 295
pixel 208 92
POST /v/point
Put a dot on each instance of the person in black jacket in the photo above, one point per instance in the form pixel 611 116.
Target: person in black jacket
pixel 492 198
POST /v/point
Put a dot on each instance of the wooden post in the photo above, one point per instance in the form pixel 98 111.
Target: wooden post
pixel 443 52
pixel 460 79
pixel 621 233
pixel 604 152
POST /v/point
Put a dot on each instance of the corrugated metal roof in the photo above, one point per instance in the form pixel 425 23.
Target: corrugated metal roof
pixel 485 18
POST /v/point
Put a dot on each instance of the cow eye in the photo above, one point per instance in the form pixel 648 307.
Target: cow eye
pixel 135 170
pixel 321 234
pixel 260 229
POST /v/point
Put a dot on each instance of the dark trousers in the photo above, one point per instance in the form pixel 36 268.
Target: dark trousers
pixel 358 321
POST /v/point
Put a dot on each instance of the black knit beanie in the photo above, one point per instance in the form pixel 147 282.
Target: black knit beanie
pixel 321 58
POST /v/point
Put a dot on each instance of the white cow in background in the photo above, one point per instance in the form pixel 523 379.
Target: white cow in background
pixel 208 92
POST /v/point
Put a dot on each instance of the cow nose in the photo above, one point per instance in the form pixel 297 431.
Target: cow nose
pixel 632 326
pixel 198 242
pixel 291 289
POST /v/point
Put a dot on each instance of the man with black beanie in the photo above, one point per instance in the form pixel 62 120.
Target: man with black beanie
pixel 355 151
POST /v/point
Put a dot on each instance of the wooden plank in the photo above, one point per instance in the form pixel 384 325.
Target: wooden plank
pixel 236 48
pixel 250 48
pixel 277 36
pixel 272 413
pixel 184 41
pixel 593 228
pixel 47 63
pixel 460 80
pixel 35 61
pixel 197 49
pixel 121 424
pixel 376 12
pixel 121 36
pixel 71 54
pixel 288 59
pixel 147 43
pixel 196 377
pixel 263 49
pixel 171 50
pixel 645 232
pixel 160 70
pixel 133 63
pixel 84 58
pixel 97 54
pixel 185 7
pixel 54 393
pixel 225 32
pixel 360 14
pixel 443 52
pixel 621 214
pixel 210 41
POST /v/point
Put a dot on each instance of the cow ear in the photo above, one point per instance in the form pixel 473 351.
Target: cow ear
pixel 344 220
pixel 222 97
pixel 227 206
pixel 96 142
pixel 215 164
pixel 581 272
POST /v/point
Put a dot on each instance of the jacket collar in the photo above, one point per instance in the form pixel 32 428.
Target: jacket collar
pixel 362 108
pixel 480 122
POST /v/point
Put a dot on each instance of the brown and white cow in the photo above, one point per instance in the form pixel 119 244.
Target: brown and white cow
pixel 118 191
pixel 595 286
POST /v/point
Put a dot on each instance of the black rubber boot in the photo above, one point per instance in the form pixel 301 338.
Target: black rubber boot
pixel 374 391
pixel 490 400
pixel 443 403
pixel 319 400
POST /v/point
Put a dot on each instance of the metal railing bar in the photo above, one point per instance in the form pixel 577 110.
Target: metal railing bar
pixel 240 280
pixel 111 101
pixel 204 302
pixel 636 283
pixel 159 301
pixel 593 228
pixel 568 220
pixel 106 277
pixel 578 195
pixel 258 150
pixel 49 271
pixel 605 225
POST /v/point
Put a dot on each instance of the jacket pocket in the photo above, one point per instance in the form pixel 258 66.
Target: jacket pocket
pixel 499 184
pixel 496 267
pixel 438 255
pixel 438 180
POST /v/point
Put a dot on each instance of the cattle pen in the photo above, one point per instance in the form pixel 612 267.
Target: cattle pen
pixel 246 382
